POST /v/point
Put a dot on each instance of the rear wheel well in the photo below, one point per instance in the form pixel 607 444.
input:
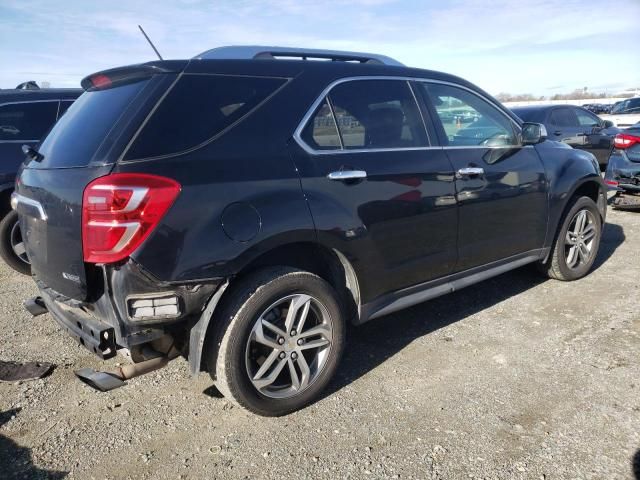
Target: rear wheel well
pixel 328 264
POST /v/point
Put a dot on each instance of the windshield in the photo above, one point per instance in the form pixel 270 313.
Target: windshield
pixel 76 138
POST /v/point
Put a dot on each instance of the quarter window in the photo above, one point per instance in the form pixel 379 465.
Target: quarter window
pixel 26 121
pixel 198 108
pixel 467 119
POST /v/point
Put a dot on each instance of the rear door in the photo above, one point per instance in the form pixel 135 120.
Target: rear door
pixel 378 190
pixel 597 140
pixel 501 187
pixel 22 123
pixel 82 146
pixel 564 127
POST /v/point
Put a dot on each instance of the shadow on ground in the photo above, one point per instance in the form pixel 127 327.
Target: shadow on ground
pixel 373 343
pixel 15 461
pixel 635 465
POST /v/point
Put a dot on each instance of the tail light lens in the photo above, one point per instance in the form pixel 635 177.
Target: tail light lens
pixel 624 140
pixel 120 211
pixel 611 183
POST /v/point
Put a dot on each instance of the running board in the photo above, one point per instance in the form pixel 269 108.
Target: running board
pixel 421 293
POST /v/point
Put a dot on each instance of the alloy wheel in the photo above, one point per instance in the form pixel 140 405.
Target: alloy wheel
pixel 288 346
pixel 580 239
pixel 17 244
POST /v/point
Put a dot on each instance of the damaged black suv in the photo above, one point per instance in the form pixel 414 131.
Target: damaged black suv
pixel 241 207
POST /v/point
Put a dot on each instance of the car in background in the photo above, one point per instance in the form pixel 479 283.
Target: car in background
pixel 623 170
pixel 597 108
pixel 625 113
pixel 575 126
pixel 308 194
pixel 26 114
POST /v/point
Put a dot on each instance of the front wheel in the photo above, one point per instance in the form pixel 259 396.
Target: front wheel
pixel 12 248
pixel 279 341
pixel 576 245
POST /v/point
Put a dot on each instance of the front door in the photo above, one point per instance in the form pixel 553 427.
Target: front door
pixel 378 191
pixel 501 186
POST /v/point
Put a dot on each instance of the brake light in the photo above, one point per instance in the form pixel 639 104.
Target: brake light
pixel 611 183
pixel 100 81
pixel 120 211
pixel 624 140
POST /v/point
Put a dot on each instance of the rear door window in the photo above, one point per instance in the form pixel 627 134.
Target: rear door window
pixel 563 117
pixel 197 109
pixel 64 106
pixel 321 132
pixel 377 114
pixel 27 121
pixel 586 119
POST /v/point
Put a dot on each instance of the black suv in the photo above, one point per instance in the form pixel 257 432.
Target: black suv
pixel 241 207
pixel 25 116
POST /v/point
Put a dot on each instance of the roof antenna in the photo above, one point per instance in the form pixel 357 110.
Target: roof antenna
pixel 150 42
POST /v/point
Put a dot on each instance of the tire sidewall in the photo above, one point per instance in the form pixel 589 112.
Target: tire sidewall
pixel 582 203
pixel 6 250
pixel 237 334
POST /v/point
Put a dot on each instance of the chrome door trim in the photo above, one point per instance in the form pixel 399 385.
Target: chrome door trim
pixel 297 135
pixel 342 175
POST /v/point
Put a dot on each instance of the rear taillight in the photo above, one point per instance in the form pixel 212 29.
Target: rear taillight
pixel 611 183
pixel 624 140
pixel 120 211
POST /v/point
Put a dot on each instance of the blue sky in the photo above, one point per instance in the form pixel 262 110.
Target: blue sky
pixel 540 47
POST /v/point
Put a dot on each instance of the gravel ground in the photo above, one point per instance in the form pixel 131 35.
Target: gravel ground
pixel 516 377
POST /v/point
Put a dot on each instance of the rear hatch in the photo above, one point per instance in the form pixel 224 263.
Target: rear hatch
pixel 84 145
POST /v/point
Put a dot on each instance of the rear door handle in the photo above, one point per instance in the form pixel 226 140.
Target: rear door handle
pixel 343 175
pixel 470 172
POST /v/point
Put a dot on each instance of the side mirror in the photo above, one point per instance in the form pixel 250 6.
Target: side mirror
pixel 607 124
pixel 533 133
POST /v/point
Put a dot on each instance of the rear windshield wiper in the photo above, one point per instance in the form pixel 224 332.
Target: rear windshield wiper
pixel 31 153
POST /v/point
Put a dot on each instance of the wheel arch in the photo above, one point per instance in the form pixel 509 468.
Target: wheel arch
pixel 328 263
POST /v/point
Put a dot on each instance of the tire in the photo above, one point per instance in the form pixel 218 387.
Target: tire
pixel 8 227
pixel 250 366
pixel 561 264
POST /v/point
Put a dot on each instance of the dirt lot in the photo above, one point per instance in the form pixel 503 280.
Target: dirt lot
pixel 512 378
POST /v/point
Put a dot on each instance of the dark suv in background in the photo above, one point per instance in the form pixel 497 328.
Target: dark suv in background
pixel 241 207
pixel 575 126
pixel 26 114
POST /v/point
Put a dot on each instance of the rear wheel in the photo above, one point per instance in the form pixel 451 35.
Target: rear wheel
pixel 12 248
pixel 576 245
pixel 279 341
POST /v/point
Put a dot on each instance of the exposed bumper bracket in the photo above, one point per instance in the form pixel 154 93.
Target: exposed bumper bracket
pixel 35 306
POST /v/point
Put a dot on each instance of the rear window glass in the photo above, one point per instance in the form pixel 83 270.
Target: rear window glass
pixel 198 108
pixel 26 121
pixel 77 136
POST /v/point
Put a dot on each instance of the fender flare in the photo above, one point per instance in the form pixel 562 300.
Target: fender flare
pixel 198 332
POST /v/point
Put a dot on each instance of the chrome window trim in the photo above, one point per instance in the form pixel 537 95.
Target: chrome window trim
pixel 297 135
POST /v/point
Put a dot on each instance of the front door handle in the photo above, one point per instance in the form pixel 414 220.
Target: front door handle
pixel 470 172
pixel 343 175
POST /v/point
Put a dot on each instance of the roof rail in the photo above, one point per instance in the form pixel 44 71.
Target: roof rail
pixel 270 53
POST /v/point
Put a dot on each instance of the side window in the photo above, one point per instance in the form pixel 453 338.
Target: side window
pixel 26 121
pixel 321 132
pixel 374 114
pixel 563 117
pixel 64 106
pixel 467 119
pixel 198 108
pixel 586 119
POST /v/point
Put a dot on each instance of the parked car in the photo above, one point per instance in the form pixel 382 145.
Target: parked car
pixel 307 194
pixel 26 113
pixel 574 126
pixel 623 171
pixel 625 113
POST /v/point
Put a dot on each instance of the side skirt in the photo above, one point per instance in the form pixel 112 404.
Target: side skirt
pixel 401 299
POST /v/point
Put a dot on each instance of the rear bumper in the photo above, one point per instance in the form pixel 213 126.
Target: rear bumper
pixel 624 199
pixel 104 325
pixel 96 336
